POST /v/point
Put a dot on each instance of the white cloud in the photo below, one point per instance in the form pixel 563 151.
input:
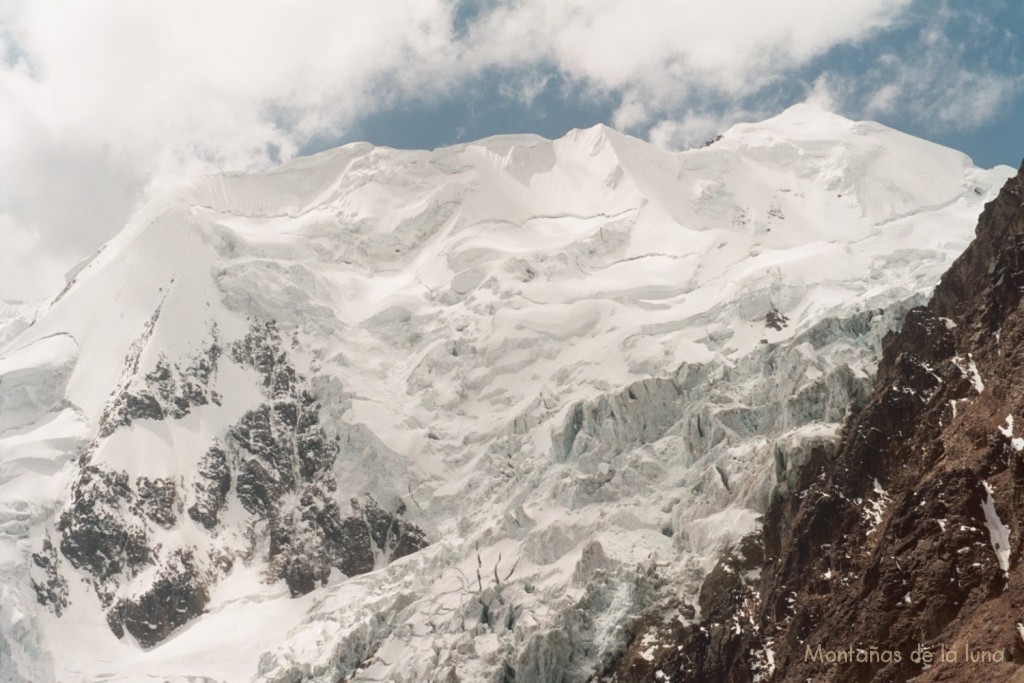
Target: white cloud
pixel 885 98
pixel 526 87
pixel 631 112
pixel 690 130
pixel 106 98
pixel 823 93
pixel 102 99
pixel 26 261
pixel 934 89
pixel 971 98
pixel 732 45
pixel 933 82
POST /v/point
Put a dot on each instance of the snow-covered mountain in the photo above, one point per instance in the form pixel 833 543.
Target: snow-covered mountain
pixel 452 415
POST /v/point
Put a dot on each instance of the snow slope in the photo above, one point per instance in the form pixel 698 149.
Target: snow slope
pixel 579 366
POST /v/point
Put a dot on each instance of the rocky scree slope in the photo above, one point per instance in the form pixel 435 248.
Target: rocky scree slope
pixel 912 531
pixel 456 415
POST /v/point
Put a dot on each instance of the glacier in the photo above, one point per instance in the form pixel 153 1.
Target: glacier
pixel 547 383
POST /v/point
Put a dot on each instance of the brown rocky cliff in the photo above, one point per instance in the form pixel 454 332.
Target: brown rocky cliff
pixel 897 539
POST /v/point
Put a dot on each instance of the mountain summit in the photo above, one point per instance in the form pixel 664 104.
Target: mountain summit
pixel 466 414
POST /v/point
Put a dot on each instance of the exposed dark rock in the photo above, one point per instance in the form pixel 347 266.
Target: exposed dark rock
pixel 211 488
pixel 256 488
pixel 775 320
pixel 724 589
pixel 165 392
pixel 97 531
pixel 286 476
pixel 178 594
pixel 50 587
pixel 356 546
pixel 103 531
pixel 158 500
pixel 261 349
pixel 711 650
pixel 391 535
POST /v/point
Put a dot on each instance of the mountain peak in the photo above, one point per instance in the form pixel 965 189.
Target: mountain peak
pixel 800 122
pixel 809 112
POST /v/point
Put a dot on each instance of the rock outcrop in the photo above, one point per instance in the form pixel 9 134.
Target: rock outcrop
pixel 276 460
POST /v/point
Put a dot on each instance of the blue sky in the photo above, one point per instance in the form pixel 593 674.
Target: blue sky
pixel 104 103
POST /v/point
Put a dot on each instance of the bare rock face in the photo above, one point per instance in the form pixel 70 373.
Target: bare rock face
pixel 50 587
pixel 286 476
pixel 908 538
pixel 179 593
pixel 211 488
pixel 166 391
pixel 276 460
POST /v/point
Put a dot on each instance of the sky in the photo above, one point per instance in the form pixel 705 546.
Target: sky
pixel 106 103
